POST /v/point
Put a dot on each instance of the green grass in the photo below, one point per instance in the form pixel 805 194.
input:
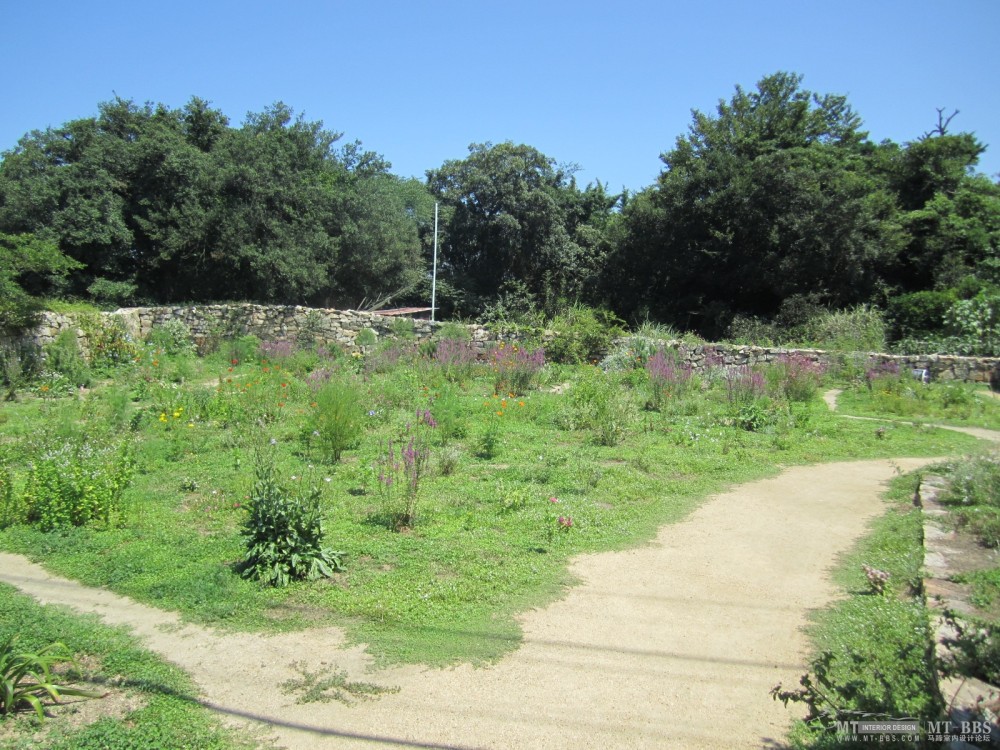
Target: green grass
pixel 168 714
pixel 449 589
pixel 961 404
pixel 485 544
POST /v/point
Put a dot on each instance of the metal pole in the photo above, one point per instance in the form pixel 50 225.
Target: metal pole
pixel 434 274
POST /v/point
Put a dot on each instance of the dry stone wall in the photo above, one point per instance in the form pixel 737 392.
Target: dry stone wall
pixel 341 328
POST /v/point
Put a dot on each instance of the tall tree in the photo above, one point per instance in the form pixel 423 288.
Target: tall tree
pixel 770 198
pixel 518 217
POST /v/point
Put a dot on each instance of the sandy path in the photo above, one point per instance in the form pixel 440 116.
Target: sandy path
pixel 674 644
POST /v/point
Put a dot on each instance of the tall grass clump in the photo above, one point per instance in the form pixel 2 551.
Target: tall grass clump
pixel 336 419
pixel 859 329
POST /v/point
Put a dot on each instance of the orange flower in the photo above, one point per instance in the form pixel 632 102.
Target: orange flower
pixel 520 403
pixel 499 413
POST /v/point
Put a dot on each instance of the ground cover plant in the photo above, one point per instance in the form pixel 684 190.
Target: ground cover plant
pixel 972 498
pixel 883 390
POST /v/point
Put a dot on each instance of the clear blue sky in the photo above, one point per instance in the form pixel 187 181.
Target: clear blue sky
pixel 608 86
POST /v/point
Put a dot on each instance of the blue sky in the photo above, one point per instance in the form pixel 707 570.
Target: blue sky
pixel 608 86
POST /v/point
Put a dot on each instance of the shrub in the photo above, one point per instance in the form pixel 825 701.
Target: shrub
pixel 173 337
pixel 283 530
pixel 366 337
pixel 110 343
pixel 77 482
pixel 918 314
pixel 599 403
pixel 11 509
pixel 581 333
pixel 63 357
pixel 975 324
pixel 110 292
pixel 19 363
pixel 337 418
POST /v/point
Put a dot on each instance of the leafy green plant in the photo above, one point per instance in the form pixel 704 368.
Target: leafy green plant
pixel 26 677
pixel 173 337
pixel 337 418
pixel 366 337
pixel 599 403
pixel 582 333
pixel 63 356
pixel 283 529
pixel 78 481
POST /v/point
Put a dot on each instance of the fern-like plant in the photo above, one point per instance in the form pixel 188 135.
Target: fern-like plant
pixel 26 677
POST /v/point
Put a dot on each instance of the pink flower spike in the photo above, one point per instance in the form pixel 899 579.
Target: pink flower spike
pixel 553 499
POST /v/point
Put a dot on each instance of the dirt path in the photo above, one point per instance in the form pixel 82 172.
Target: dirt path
pixel 675 644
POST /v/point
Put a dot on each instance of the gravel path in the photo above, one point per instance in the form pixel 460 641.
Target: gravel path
pixel 672 645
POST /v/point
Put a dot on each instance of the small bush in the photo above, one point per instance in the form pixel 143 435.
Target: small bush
pixel 599 403
pixel 63 357
pixel 582 333
pixel 337 418
pixel 173 337
pixel 77 482
pixel 283 530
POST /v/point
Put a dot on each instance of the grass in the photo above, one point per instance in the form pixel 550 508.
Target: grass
pixel 448 589
pixel 904 398
pixel 485 543
pixel 167 713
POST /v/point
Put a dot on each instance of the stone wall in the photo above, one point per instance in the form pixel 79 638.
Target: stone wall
pixel 341 328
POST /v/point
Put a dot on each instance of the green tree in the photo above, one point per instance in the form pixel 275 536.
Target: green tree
pixel 515 216
pixel 772 197
pixel 27 266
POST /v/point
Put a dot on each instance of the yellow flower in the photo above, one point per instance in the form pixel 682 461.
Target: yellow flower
pixel 190 424
pixel 163 417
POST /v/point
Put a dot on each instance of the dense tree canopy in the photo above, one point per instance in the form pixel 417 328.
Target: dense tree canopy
pixel 768 199
pixel 167 205
pixel 518 217
pixel 775 205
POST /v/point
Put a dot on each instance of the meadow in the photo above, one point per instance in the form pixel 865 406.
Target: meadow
pixel 415 496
